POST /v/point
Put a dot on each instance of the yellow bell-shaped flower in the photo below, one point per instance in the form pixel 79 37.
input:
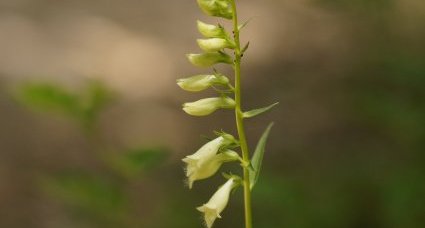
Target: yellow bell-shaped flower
pixel 217 203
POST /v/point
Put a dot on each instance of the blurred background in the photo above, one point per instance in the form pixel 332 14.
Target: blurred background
pixel 92 134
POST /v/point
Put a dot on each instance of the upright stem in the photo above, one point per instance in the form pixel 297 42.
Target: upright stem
pixel 239 119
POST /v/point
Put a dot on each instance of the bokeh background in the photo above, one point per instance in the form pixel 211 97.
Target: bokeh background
pixel 91 130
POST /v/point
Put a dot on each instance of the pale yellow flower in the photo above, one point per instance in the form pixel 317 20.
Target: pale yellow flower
pixel 211 31
pixel 207 106
pixel 201 82
pixel 209 167
pixel 205 161
pixel 209 59
pixel 217 203
pixel 217 8
pixel 214 44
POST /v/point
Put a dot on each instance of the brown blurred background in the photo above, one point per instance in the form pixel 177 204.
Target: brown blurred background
pixel 91 130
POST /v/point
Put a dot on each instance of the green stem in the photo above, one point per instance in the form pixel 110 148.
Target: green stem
pixel 239 119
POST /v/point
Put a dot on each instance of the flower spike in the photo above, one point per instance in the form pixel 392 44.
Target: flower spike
pixel 206 162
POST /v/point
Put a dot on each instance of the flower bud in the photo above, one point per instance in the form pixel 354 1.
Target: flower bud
pixel 209 59
pixel 201 82
pixel 211 31
pixel 217 203
pixel 214 44
pixel 209 167
pixel 216 8
pixel 205 153
pixel 207 106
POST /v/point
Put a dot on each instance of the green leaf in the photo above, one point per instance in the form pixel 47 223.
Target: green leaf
pixel 133 162
pixel 83 106
pixel 257 158
pixel 259 111
pixel 93 101
pixel 48 97
pixel 245 48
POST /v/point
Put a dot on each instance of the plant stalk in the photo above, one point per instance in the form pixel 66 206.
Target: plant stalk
pixel 239 119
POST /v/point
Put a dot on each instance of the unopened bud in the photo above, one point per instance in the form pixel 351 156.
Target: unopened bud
pixel 209 59
pixel 201 82
pixel 211 31
pixel 207 106
pixel 216 8
pixel 214 44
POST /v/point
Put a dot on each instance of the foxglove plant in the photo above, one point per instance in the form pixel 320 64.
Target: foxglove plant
pixel 205 162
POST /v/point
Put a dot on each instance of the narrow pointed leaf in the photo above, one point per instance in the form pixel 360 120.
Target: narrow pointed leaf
pixel 257 158
pixel 259 111
pixel 244 24
pixel 245 48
